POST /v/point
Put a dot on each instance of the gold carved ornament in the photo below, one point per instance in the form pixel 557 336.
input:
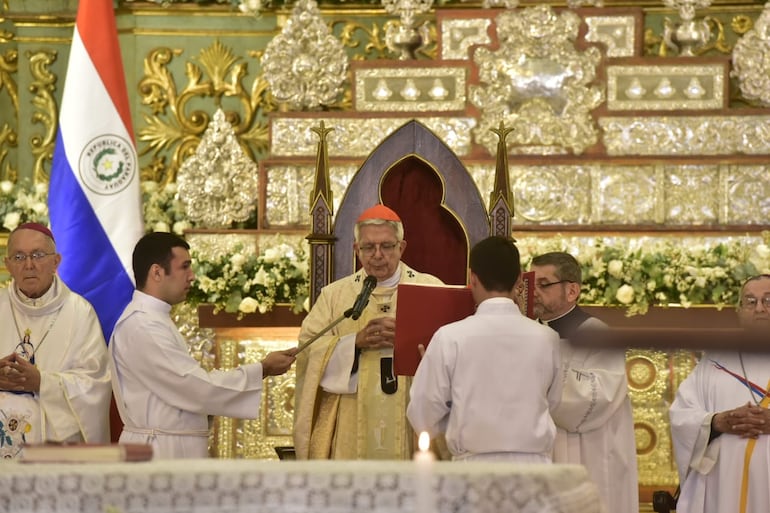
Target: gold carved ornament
pixel 9 65
pixel 538 84
pixel 46 111
pixel 174 127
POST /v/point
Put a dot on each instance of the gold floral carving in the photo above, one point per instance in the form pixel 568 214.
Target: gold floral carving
pixel 537 83
pixel 686 135
pixel 374 45
pixel 304 65
pixel 653 377
pixel 9 66
pixel 750 60
pixel 273 425
pixel 42 87
pixel 174 126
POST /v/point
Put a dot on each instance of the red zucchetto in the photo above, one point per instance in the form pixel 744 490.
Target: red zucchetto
pixel 36 227
pixel 379 211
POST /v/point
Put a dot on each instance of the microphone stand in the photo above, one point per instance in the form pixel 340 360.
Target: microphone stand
pixel 348 313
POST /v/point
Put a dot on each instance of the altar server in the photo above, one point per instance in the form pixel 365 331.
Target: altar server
pixel 349 405
pixel 720 421
pixel 595 425
pixel 163 395
pixel 488 381
pixel 54 379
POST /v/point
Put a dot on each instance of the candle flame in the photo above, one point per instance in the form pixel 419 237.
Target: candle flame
pixel 424 441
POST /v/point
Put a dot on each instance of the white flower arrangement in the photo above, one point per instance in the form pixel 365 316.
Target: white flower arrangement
pixel 631 272
pixel 162 209
pixel 640 272
pixel 20 203
pixel 246 283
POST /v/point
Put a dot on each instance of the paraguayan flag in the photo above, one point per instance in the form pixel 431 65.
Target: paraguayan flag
pixel 94 197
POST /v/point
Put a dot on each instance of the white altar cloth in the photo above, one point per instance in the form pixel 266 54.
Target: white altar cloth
pixel 235 486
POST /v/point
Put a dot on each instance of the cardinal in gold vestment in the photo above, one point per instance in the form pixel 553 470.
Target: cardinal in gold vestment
pixel 349 404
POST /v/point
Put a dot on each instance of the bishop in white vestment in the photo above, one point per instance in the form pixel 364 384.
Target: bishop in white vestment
pixel 54 379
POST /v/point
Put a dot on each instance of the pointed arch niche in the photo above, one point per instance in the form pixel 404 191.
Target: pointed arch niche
pixel 417 175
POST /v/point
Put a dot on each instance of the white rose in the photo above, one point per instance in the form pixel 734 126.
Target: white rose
pixel 11 220
pixel 180 227
pixel 6 187
pixel 625 294
pixel 615 268
pixel 237 261
pixel 700 282
pixel 271 255
pixel 40 208
pixel 651 285
pixel 260 278
pixel 149 186
pixel 160 226
pixel 248 305
pixel 249 6
pixel 763 251
pixel 41 188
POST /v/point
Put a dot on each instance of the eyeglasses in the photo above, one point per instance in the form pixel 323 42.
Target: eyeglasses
pixel 751 302
pixel 385 247
pixel 544 285
pixel 36 256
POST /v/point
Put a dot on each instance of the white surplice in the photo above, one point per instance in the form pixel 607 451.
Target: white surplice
pixel 74 398
pixel 711 473
pixel 488 382
pixel 164 396
pixel 595 422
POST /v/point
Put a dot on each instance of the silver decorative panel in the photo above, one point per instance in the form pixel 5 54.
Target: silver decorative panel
pixel 410 89
pixel 624 195
pixel 617 33
pixel 358 137
pixel 691 194
pixel 458 35
pixel 597 194
pixel 288 192
pixel 686 135
pixel 679 87
pixel 746 194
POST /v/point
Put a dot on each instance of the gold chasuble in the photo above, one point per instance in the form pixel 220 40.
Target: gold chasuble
pixel 370 421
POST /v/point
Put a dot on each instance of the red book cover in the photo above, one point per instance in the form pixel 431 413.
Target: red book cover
pixel 527 294
pixel 421 310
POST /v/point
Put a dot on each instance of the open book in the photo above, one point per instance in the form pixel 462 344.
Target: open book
pixel 85 453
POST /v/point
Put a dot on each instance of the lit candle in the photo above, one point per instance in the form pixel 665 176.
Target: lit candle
pixel 425 498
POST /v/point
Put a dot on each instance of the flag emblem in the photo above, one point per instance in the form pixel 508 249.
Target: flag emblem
pixel 107 164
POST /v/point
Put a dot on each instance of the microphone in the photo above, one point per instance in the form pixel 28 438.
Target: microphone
pixel 370 283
